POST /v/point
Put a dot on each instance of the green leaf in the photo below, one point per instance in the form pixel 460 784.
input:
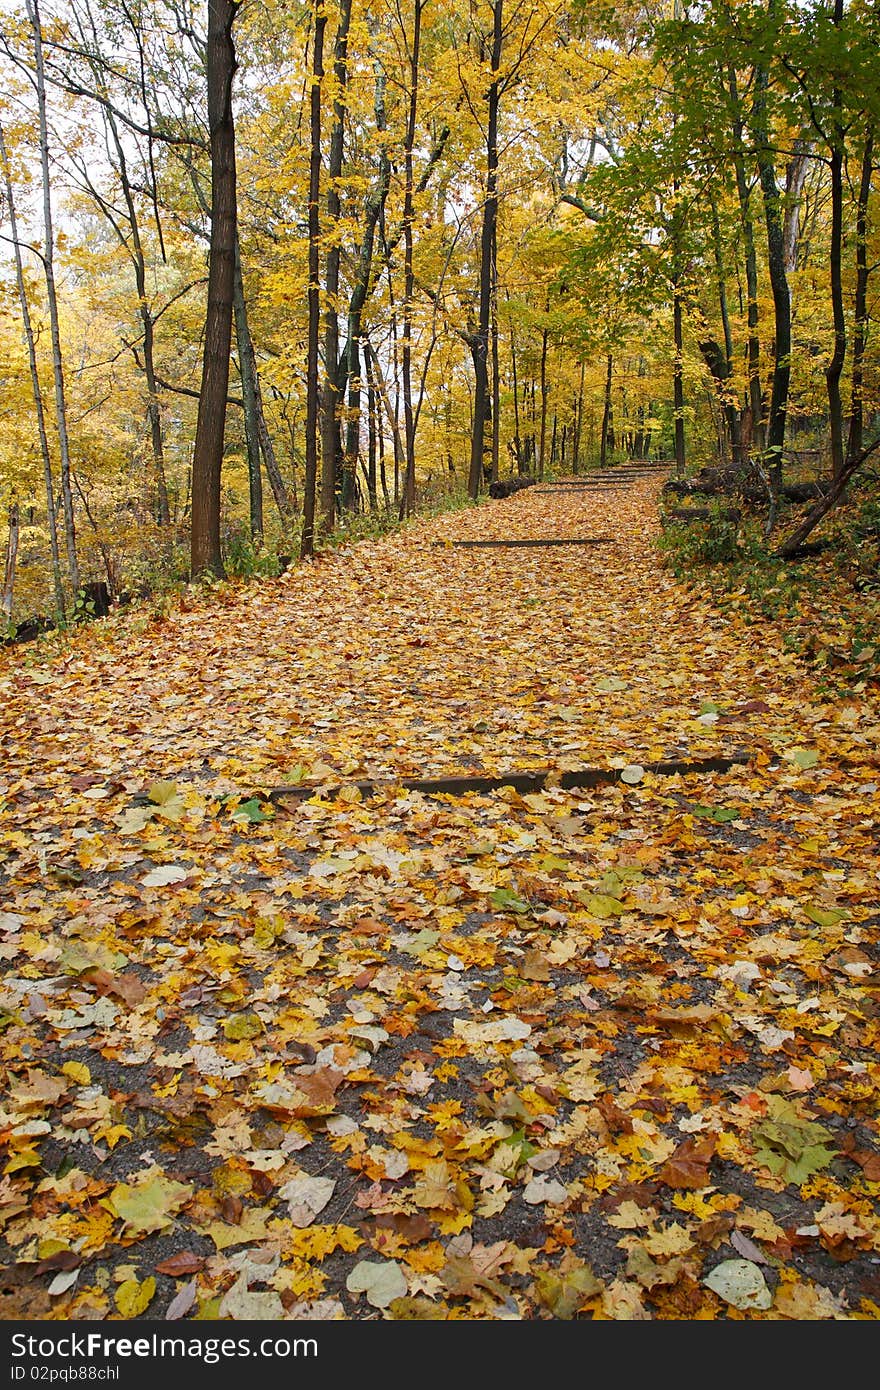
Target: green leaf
pixel 148 1205
pixel 243 1027
pixel 550 863
pixel 421 941
pixel 77 956
pixel 160 793
pixel 826 917
pixel 790 1146
pixel 602 905
pixel 719 814
pixel 610 683
pixel 250 812
pixel 804 757
pixel 504 900
pixel 565 1294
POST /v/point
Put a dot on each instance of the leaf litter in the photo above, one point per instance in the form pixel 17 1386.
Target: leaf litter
pixel 605 1053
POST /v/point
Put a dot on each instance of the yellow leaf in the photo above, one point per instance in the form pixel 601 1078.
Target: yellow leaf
pixel 111 1134
pixel 132 1298
pixel 78 1072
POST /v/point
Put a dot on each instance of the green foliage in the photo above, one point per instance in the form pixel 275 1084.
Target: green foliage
pixel 246 557
pixel 715 541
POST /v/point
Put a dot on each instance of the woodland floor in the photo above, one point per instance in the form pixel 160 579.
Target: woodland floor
pixel 603 1053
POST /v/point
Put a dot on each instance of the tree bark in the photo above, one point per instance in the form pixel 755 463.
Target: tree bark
pixel 55 331
pixel 776 266
pixel 247 369
pixel 9 568
pixel 606 412
pixel 542 433
pixel 310 485
pixel 408 493
pixel 834 370
pixel 753 341
pixel 480 350
pixel 331 449
pixel 860 326
pixel 35 386
pixel 205 550
pixel 373 209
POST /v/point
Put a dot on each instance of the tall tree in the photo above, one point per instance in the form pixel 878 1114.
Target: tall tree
pixel 35 382
pixel 310 486
pixel 205 549
pixel 480 349
pixel 52 296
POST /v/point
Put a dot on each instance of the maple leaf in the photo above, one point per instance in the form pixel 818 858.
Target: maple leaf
pixel 789 1145
pixel 567 1293
pixel 148 1205
pixel 688 1166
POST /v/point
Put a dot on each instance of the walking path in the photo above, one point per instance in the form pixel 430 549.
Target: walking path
pixel 600 1052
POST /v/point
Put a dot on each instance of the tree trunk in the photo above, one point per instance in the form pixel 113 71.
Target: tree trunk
pixel 408 494
pixel 285 503
pixel 372 492
pixel 725 400
pixel 373 209
pixel 496 365
pixel 834 370
pixel 778 278
pixel 247 368
pixel 678 382
pixel 606 412
pixel 331 450
pixel 860 326
pixel 9 568
pixel 207 467
pixel 310 485
pixel 542 436
pixel 578 423
pixel 753 349
pixel 480 350
pixel 517 443
pixel 35 387
pixel 55 332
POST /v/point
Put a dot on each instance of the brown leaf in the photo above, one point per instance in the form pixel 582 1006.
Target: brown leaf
pixel 534 966
pixel 368 926
pixel 185 1262
pixel 232 1208
pixel 412 1228
pixel 616 1119
pixel 688 1167
pixel 126 987
pixel 62 1259
pixel 320 1086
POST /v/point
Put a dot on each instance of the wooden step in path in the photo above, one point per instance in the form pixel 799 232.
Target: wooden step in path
pixel 525 544
pixel 535 781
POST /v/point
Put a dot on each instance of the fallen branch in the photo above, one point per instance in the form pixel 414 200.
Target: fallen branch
pixel 792 544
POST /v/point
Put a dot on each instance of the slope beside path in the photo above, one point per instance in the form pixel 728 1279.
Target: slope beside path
pixel 605 1052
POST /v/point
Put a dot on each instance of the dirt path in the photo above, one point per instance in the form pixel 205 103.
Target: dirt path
pixel 496 1056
